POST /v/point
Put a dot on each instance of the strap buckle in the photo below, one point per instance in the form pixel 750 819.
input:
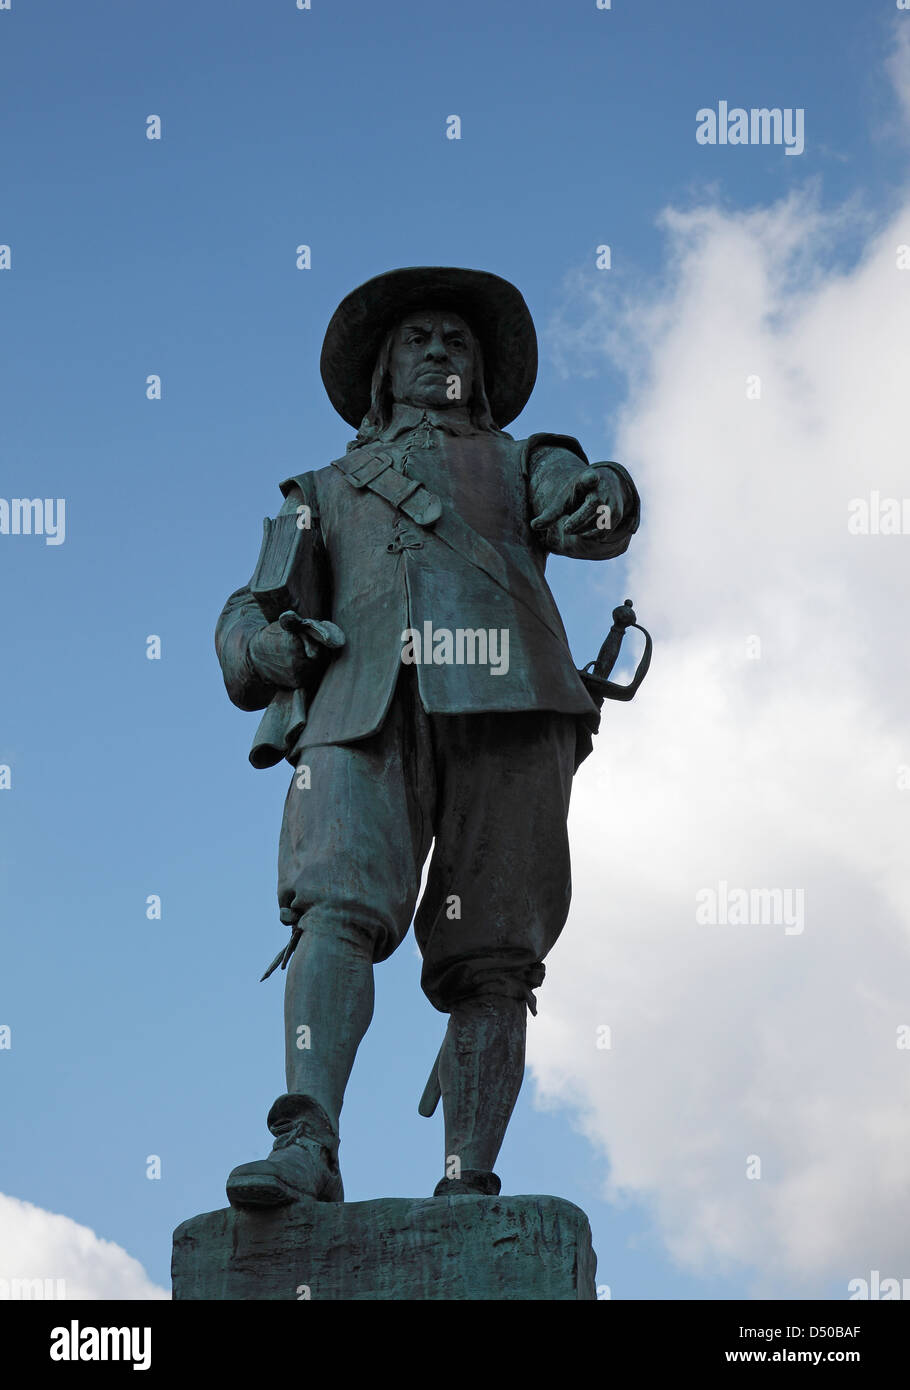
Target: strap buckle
pixel 370 468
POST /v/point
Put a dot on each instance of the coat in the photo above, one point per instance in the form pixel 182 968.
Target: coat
pixel 379 576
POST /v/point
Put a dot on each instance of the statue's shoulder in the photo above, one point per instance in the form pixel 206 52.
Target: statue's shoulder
pixel 535 443
pixel 310 484
pixel 315 481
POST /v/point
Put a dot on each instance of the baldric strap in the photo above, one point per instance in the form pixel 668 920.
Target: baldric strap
pixel 377 473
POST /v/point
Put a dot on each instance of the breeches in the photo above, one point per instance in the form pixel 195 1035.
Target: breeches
pixel 489 793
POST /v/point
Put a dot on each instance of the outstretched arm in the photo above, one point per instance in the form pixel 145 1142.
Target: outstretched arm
pixel 585 511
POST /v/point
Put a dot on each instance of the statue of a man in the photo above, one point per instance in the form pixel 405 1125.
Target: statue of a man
pixel 420 683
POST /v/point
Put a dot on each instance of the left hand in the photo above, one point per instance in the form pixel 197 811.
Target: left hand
pixel 592 508
pixel 582 513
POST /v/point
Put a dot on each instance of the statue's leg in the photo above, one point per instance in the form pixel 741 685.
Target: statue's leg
pixel 480 1074
pixel 353 841
pixel 502 858
pixel 328 1004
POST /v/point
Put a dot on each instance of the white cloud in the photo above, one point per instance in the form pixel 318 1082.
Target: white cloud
pixel 38 1244
pixel 781 772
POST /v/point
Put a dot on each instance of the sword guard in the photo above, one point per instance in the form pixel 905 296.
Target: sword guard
pixel 595 674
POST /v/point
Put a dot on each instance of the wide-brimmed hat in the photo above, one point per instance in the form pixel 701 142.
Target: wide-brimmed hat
pixel 494 310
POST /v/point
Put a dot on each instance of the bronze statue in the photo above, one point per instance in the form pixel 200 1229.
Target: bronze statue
pixel 413 668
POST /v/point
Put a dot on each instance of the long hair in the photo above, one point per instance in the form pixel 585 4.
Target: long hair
pixel 381 403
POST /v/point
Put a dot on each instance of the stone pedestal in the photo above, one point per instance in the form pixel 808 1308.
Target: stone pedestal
pixel 392 1248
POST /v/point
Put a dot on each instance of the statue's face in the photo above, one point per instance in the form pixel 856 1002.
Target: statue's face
pixel 430 348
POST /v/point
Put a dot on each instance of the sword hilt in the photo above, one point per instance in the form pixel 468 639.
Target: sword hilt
pixel 595 675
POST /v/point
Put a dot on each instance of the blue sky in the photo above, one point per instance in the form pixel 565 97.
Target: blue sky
pixel 129 257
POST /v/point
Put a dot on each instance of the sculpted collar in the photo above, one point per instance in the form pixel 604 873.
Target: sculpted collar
pixel 454 420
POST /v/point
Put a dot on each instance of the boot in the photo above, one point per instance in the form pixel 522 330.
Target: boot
pixel 473 1182
pixel 303 1162
pixel 481 1068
